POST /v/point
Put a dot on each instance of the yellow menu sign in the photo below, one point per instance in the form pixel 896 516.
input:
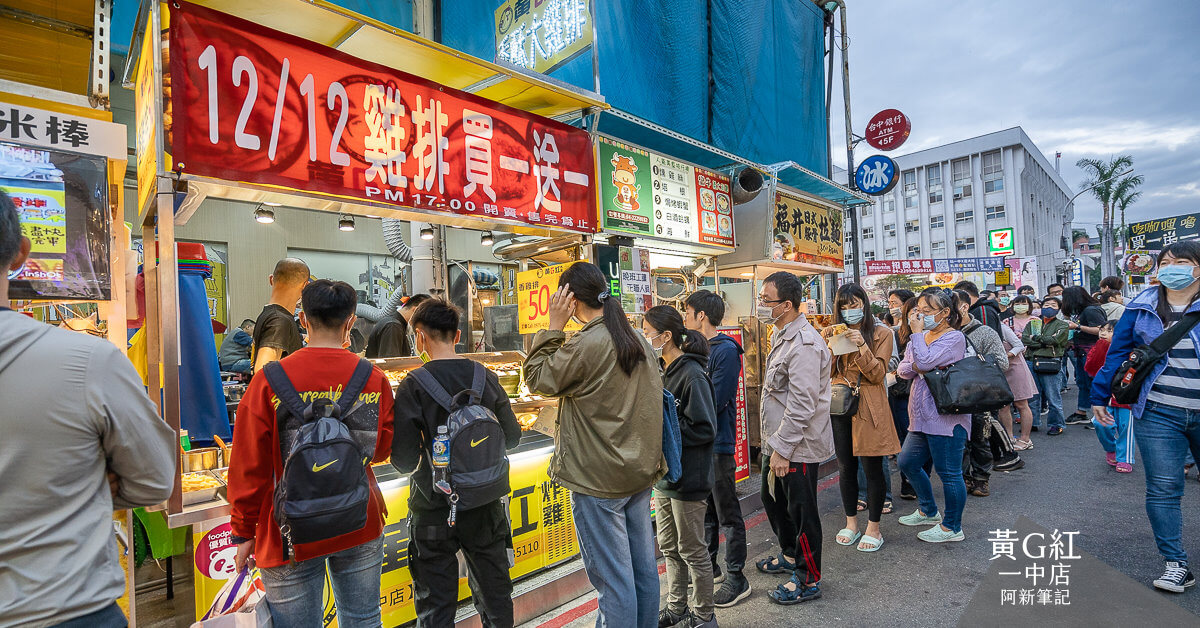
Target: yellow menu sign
pixel 534 289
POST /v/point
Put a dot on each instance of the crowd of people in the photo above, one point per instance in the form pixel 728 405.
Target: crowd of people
pixel 857 390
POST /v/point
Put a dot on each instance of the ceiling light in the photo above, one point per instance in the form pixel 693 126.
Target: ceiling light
pixel 264 215
pixel 486 301
pixel 427 233
pixel 272 204
pixel 346 223
pixel 748 274
pixel 486 239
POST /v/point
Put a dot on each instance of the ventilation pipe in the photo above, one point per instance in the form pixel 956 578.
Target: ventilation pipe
pixel 393 238
pixel 746 185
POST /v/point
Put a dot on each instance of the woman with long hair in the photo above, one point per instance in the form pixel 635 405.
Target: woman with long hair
pixel 869 434
pixel 609 444
pixel 1085 319
pixel 898 391
pixel 1167 412
pixel 680 506
pixel 979 457
pixel 936 342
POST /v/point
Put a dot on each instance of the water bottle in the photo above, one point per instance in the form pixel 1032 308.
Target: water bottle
pixel 441 459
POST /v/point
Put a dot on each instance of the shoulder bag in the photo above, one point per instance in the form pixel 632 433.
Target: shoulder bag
pixel 843 399
pixel 1127 382
pixel 972 385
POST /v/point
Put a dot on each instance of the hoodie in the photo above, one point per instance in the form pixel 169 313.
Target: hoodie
pixel 74 409
pixel 724 369
pixel 687 380
pixel 987 312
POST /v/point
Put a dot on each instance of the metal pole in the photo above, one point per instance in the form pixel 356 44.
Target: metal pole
pixel 595 50
pixel 850 183
pixel 829 97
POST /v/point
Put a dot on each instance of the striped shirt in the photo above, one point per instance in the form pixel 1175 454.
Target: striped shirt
pixel 1177 386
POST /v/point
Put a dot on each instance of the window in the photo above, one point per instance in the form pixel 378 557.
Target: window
pixel 939 247
pixel 996 185
pixel 914 250
pixel 910 181
pixel 889 204
pixel 935 195
pixel 912 226
pixel 994 212
pixel 937 222
pixel 869 255
pixel 964 244
pixel 890 253
pixel 890 230
pixel 967 215
pixel 933 182
pixel 993 172
pixel 868 233
pixel 866 211
pixel 961 172
pixel 910 201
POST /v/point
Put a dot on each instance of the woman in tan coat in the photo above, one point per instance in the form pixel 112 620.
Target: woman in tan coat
pixel 869 433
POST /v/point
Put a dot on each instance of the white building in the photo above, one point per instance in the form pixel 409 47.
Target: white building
pixel 949 197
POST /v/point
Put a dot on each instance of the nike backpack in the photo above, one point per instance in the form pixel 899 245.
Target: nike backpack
pixel 478 470
pixel 323 491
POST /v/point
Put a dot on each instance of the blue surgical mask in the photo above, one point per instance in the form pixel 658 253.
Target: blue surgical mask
pixel 1176 276
pixel 852 316
pixel 929 321
pixel 1005 300
pixel 1049 312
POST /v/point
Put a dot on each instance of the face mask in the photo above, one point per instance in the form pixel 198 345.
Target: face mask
pixel 852 316
pixel 767 314
pixel 1021 309
pixel 896 312
pixel 1176 276
pixel 1049 312
pixel 929 321
pixel 1005 300
pixel 1035 312
pixel 657 350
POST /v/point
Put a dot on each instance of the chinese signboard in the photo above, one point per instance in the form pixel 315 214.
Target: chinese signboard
pixel 876 175
pixel 968 265
pixel 257 105
pixel 899 267
pixel 806 232
pixel 534 289
pixel 637 285
pixel 541 35
pixel 1000 241
pixel 741 430
pixel 48 129
pixel 647 194
pixel 1163 232
pixel 888 129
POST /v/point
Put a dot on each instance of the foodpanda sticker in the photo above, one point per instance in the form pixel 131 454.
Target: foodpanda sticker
pixel 215 553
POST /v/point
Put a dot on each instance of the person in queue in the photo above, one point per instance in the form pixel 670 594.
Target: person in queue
pixel 391 336
pixel 1047 337
pixel 1054 290
pixel 703 313
pixel 1167 412
pixel 264 432
pixel 1020 381
pixel 234 354
pixel 1026 309
pixel 1113 304
pixel 797 438
pixel 1085 319
pixel 75 403
pixel 896 300
pixel 276 335
pixel 898 391
pixel 985 311
pixel 869 434
pixel 680 506
pixel 1028 291
pixel 1004 299
pixel 609 452
pixel 936 342
pixel 482 534
pixel 1117 440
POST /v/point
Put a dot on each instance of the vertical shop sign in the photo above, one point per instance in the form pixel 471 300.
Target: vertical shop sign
pixel 625 188
pixel 741 430
pixel 674 195
pixel 636 286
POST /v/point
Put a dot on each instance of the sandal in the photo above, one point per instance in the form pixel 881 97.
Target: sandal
pixel 870 544
pixel 862 505
pixel 785 596
pixel 847 533
pixel 775 565
pixel 887 508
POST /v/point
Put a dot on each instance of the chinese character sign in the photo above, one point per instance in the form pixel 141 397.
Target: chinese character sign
pixel 636 282
pixel 807 232
pixel 1161 232
pixel 253 104
pixel 541 35
pixel 888 129
pixel 534 289
pixel 899 267
pixel 741 430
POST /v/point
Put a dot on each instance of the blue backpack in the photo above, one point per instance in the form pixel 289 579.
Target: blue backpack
pixel 672 441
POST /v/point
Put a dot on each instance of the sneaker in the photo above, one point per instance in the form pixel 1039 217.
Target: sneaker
pixel 718 575
pixel 1111 458
pixel 1078 418
pixel 937 534
pixel 1022 445
pixel 1045 412
pixel 735 589
pixel 917 519
pixel 1011 465
pixel 668 617
pixel 1176 578
pixel 1054 431
pixel 694 621
pixel 1124 467
pixel 979 489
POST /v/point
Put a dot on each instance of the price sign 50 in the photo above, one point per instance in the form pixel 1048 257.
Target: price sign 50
pixel 534 290
pixel 538 303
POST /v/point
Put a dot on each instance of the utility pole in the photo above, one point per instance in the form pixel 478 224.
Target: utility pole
pixel 845 48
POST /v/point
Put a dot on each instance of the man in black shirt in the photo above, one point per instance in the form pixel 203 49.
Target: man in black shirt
pixel 483 534
pixel 389 338
pixel 276 334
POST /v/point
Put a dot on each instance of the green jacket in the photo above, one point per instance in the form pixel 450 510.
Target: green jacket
pixel 1051 343
pixel 609 428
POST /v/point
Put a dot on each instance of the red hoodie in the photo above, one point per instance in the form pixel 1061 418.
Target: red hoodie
pixel 1095 362
pixel 257 460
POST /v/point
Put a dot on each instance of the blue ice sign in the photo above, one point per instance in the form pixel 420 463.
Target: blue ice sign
pixel 876 175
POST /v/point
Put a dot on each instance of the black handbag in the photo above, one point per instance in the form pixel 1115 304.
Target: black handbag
pixel 899 389
pixel 843 399
pixel 1127 382
pixel 1046 366
pixel 972 385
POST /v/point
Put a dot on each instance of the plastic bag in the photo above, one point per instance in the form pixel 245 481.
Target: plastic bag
pixel 243 591
pixel 256 615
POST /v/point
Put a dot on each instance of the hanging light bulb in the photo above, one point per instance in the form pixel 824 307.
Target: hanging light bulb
pixel 265 215
pixel 486 239
pixel 427 233
pixel 346 223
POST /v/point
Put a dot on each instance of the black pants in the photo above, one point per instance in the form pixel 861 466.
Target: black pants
pixel 794 517
pixel 977 455
pixel 1001 444
pixel 843 443
pixel 484 536
pixel 725 515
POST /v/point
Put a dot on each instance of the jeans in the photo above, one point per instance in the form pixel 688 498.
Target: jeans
pixel 1165 434
pixel 848 468
pixel 947 455
pixel 724 514
pixel 1118 438
pixel 681 537
pixel 1049 394
pixel 887 479
pixel 793 515
pixel 238 366
pixel 1064 375
pixel 1083 381
pixel 617 543
pixel 295 590
pixel 108 617
pixel 484 536
pixel 1035 404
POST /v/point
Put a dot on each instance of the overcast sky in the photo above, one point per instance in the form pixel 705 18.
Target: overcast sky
pixel 1088 78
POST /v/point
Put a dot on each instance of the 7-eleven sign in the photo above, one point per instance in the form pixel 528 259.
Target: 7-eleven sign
pixel 1000 242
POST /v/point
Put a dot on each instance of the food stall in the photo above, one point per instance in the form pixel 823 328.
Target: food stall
pixel 299 106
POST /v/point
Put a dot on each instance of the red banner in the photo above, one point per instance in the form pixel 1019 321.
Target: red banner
pixel 741 431
pixel 257 105
pixel 899 267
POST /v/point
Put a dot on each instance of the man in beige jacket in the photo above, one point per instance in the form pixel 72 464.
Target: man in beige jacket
pixel 797 438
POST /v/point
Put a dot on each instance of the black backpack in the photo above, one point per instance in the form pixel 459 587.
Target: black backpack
pixel 478 470
pixel 323 492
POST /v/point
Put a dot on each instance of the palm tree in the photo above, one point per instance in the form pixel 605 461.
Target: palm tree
pixel 1126 194
pixel 1103 182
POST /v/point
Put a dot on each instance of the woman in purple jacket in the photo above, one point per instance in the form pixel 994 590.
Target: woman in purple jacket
pixel 935 343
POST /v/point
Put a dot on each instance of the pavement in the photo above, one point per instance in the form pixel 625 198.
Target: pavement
pixel 1065 485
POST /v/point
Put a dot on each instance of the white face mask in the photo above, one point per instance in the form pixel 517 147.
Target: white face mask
pixel 767 315
pixel 659 349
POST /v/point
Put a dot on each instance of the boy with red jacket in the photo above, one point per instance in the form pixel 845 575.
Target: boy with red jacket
pixel 262 437
pixel 1116 439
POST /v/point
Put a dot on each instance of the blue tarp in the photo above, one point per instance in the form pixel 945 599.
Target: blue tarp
pixel 202 409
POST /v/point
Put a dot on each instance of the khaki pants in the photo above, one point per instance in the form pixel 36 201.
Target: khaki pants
pixel 681 538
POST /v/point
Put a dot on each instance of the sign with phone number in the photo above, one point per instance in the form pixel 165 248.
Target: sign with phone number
pixel 534 290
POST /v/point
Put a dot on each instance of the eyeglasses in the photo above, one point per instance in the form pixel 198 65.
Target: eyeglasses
pixel 765 301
